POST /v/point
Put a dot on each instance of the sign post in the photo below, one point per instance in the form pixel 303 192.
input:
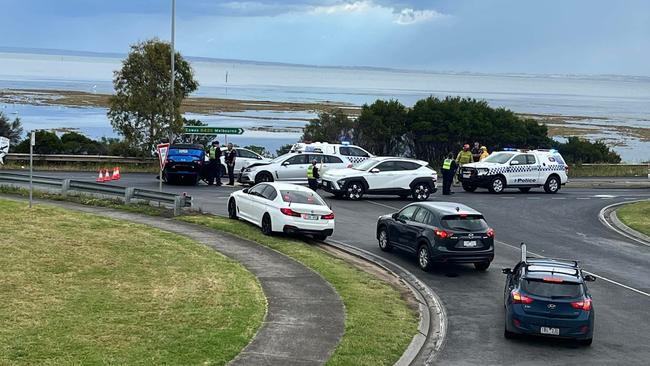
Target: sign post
pixel 32 142
pixel 163 151
pixel 205 130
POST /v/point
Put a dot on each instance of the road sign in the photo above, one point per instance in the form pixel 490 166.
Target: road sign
pixel 205 130
pixel 163 150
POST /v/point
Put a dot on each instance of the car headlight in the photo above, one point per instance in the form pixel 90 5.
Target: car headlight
pixel 482 171
pixel 247 170
pixel 340 182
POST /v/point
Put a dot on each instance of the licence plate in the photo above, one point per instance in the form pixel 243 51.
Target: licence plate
pixel 183 151
pixel 467 175
pixel 469 243
pixel 551 331
pixel 309 217
pixel 326 183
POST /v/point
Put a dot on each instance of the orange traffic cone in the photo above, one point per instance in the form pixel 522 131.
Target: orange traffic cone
pixel 116 173
pixel 100 178
pixel 107 176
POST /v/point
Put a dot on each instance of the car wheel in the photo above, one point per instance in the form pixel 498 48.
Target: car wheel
pixel 320 237
pixel 421 192
pixel 267 228
pixel 468 187
pixel 482 266
pixel 552 184
pixel 384 243
pixel 232 209
pixel 263 177
pixel 586 342
pixel 524 189
pixel 354 191
pixel 424 258
pixel 497 185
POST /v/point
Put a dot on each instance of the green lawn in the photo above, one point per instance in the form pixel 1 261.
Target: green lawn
pixel 82 289
pixel 379 324
pixel 636 215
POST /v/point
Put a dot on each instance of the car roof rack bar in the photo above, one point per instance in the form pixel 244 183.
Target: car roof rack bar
pixel 576 263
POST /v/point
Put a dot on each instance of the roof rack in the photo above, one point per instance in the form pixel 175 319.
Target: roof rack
pixel 575 263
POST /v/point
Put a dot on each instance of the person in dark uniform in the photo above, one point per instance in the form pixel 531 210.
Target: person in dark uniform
pixel 312 175
pixel 476 152
pixel 449 167
pixel 230 157
pixel 214 165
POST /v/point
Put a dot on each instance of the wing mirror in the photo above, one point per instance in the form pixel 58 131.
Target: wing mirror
pixel 374 170
pixel 514 162
pixel 590 278
pixel 395 215
pixel 245 190
pixel 506 271
pixel 285 163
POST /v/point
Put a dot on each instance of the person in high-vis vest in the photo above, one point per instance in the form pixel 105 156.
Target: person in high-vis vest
pixel 449 167
pixel 214 165
pixel 312 175
pixel 463 157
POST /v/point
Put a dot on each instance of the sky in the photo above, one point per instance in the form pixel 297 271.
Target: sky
pixel 503 36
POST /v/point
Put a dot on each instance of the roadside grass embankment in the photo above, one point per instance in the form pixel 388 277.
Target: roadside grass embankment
pixel 81 167
pixel 83 289
pixel 636 215
pixel 608 170
pixel 379 323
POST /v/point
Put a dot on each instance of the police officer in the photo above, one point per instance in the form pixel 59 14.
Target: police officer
pixel 230 157
pixel 449 167
pixel 476 152
pixel 214 165
pixel 312 175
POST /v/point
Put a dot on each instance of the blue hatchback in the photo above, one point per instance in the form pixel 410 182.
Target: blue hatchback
pixel 185 163
pixel 548 297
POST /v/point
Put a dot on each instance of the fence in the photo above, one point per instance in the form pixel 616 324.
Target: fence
pixel 47 158
pixel 127 193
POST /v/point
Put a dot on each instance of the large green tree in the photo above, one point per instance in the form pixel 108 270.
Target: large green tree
pixel 328 127
pixel 141 108
pixel 11 130
pixel 381 126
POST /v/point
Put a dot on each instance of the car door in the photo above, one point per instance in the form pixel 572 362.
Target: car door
pixel 293 169
pixel 520 173
pixel 401 230
pixel 421 221
pixel 256 204
pixel 331 162
pixel 381 176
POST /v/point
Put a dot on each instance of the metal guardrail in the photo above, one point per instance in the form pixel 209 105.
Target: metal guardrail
pixel 80 158
pixel 127 193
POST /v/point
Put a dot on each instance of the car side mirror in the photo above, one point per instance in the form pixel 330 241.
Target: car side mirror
pixel 245 190
pixel 514 162
pixel 590 278
pixel 374 170
pixel 506 271
pixel 285 163
pixel 395 215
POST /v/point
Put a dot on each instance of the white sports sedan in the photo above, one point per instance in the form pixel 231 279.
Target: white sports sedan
pixel 283 207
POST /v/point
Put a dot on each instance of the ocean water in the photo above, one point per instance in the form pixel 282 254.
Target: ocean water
pixel 613 100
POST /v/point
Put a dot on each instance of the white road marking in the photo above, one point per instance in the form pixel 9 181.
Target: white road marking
pixel 507 198
pixel 558 198
pixel 383 205
pixel 591 273
pixel 533 198
pixel 604 196
pixel 583 198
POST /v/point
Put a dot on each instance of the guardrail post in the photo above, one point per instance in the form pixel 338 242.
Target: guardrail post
pixel 128 194
pixel 178 204
pixel 65 187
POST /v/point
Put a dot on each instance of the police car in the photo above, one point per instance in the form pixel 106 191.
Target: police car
pixel 523 169
pixel 354 154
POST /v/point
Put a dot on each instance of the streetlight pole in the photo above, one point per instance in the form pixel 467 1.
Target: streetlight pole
pixel 172 113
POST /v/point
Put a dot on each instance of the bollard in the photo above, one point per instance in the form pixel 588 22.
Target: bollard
pixel 128 194
pixel 65 187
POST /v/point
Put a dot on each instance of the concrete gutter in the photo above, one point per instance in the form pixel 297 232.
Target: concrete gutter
pixel 608 217
pixel 432 328
pixel 609 183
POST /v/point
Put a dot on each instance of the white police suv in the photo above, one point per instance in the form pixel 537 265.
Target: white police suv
pixel 382 175
pixel 523 169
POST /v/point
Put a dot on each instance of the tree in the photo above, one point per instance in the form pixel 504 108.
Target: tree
pixel 579 151
pixel 381 126
pixel 78 144
pixel 11 130
pixel 140 109
pixel 328 127
pixel 258 149
pixel 284 149
pixel 46 143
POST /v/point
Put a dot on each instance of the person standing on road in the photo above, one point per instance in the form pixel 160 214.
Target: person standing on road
pixel 449 167
pixel 484 153
pixel 230 157
pixel 214 165
pixel 313 176
pixel 476 152
pixel 463 157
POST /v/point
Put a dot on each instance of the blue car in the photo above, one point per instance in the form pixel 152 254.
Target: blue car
pixel 548 297
pixel 185 164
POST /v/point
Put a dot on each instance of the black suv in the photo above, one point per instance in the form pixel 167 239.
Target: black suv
pixel 439 232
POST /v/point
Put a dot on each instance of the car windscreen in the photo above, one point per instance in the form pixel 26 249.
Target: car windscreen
pixel 191 152
pixel 464 222
pixel 307 198
pixel 366 165
pixel 499 158
pixel 555 290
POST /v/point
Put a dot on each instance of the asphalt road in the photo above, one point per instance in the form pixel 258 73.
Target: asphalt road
pixel 564 225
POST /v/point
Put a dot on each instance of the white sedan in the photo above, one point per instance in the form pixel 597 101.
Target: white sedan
pixel 283 207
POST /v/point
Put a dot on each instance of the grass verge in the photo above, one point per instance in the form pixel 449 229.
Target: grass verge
pixel 608 170
pixel 82 289
pixel 636 215
pixel 379 323
pixel 81 167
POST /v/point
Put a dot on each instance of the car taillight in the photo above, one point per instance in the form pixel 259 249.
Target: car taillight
pixel 328 216
pixel 199 162
pixel 551 279
pixel 490 233
pixel 289 212
pixel 441 234
pixel 518 298
pixel 583 305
